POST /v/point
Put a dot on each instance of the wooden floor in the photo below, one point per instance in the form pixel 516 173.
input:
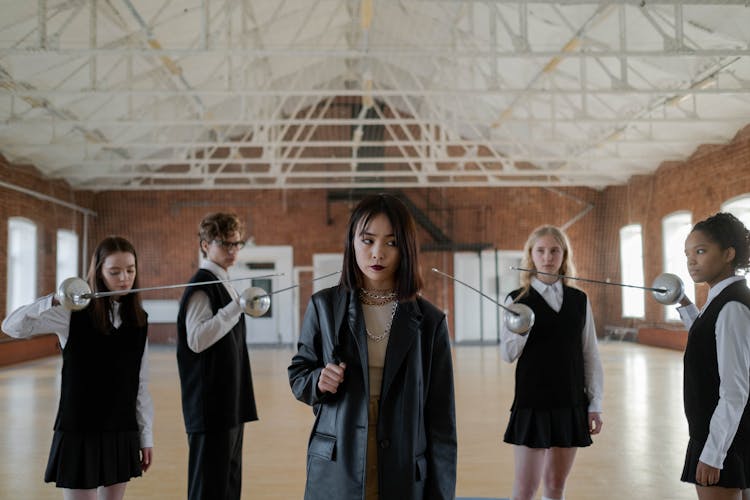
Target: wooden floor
pixel 638 455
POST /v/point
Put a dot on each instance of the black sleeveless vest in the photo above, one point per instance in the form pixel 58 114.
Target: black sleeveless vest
pixel 217 388
pixel 100 377
pixel 549 372
pixel 701 374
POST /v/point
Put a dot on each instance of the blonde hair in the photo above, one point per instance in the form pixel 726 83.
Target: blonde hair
pixel 567 267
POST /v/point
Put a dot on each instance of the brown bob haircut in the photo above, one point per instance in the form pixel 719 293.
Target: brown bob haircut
pixel 408 277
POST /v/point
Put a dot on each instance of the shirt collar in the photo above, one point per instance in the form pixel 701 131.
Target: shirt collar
pixel 114 314
pixel 215 268
pixel 540 286
pixel 719 287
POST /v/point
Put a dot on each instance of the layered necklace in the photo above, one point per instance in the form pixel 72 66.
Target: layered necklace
pixel 376 297
pixel 379 298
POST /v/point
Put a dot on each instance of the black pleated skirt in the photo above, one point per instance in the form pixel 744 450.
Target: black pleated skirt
pixel 85 460
pixel 558 427
pixel 735 472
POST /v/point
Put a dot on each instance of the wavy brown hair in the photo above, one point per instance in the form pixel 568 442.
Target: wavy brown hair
pixel 219 225
pixel 100 309
pixel 408 276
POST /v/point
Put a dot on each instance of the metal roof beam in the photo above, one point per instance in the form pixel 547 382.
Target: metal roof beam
pixel 178 183
pixel 634 3
pixel 406 53
pixel 329 161
pixel 10 123
pixel 718 89
pixel 312 144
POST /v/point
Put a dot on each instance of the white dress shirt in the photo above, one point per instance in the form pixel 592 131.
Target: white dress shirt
pixel 42 317
pixel 203 328
pixel 512 344
pixel 733 356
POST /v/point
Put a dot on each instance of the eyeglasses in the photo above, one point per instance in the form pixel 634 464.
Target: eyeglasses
pixel 228 245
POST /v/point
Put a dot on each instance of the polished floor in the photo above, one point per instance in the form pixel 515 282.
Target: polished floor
pixel 638 455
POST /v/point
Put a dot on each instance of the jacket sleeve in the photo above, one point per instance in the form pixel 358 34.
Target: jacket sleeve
pixel 440 417
pixel 308 362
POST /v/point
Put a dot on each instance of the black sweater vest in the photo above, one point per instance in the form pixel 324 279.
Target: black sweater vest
pixel 549 372
pixel 217 388
pixel 100 377
pixel 701 374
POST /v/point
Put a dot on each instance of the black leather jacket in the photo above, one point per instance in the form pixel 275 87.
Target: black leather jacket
pixel 416 431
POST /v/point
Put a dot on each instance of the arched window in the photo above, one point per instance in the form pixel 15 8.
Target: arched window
pixel 675 229
pixel 631 270
pixel 67 255
pixel 740 208
pixel 22 245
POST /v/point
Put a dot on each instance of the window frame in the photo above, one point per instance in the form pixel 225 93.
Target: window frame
pixel 26 273
pixel 676 244
pixel 743 214
pixel 629 295
pixel 63 272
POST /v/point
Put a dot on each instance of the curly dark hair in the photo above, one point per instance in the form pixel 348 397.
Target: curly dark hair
pixel 728 231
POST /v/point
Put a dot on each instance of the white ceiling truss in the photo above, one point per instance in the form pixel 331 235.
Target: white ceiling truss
pixel 242 94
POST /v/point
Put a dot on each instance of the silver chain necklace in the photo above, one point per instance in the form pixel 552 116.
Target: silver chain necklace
pixel 387 331
pixel 377 294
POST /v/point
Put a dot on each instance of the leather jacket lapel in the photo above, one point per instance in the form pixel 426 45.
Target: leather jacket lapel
pixel 356 324
pixel 340 310
pixel 404 332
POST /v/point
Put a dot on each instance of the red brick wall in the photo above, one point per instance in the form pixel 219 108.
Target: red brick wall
pixel 16 351
pixel 662 337
pixel 163 224
pixel 48 217
pixel 711 176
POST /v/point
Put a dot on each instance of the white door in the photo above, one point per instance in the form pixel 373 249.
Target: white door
pixel 477 317
pixel 509 279
pixel 256 263
pixel 326 263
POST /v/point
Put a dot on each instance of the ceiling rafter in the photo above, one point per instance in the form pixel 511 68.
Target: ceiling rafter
pixel 142 95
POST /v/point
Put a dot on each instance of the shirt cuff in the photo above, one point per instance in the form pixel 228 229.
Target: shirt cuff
pixel 595 405
pixel 688 314
pixel 233 309
pixel 712 458
pixel 147 439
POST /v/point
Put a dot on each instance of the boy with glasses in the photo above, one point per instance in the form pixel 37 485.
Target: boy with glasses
pixel 217 389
